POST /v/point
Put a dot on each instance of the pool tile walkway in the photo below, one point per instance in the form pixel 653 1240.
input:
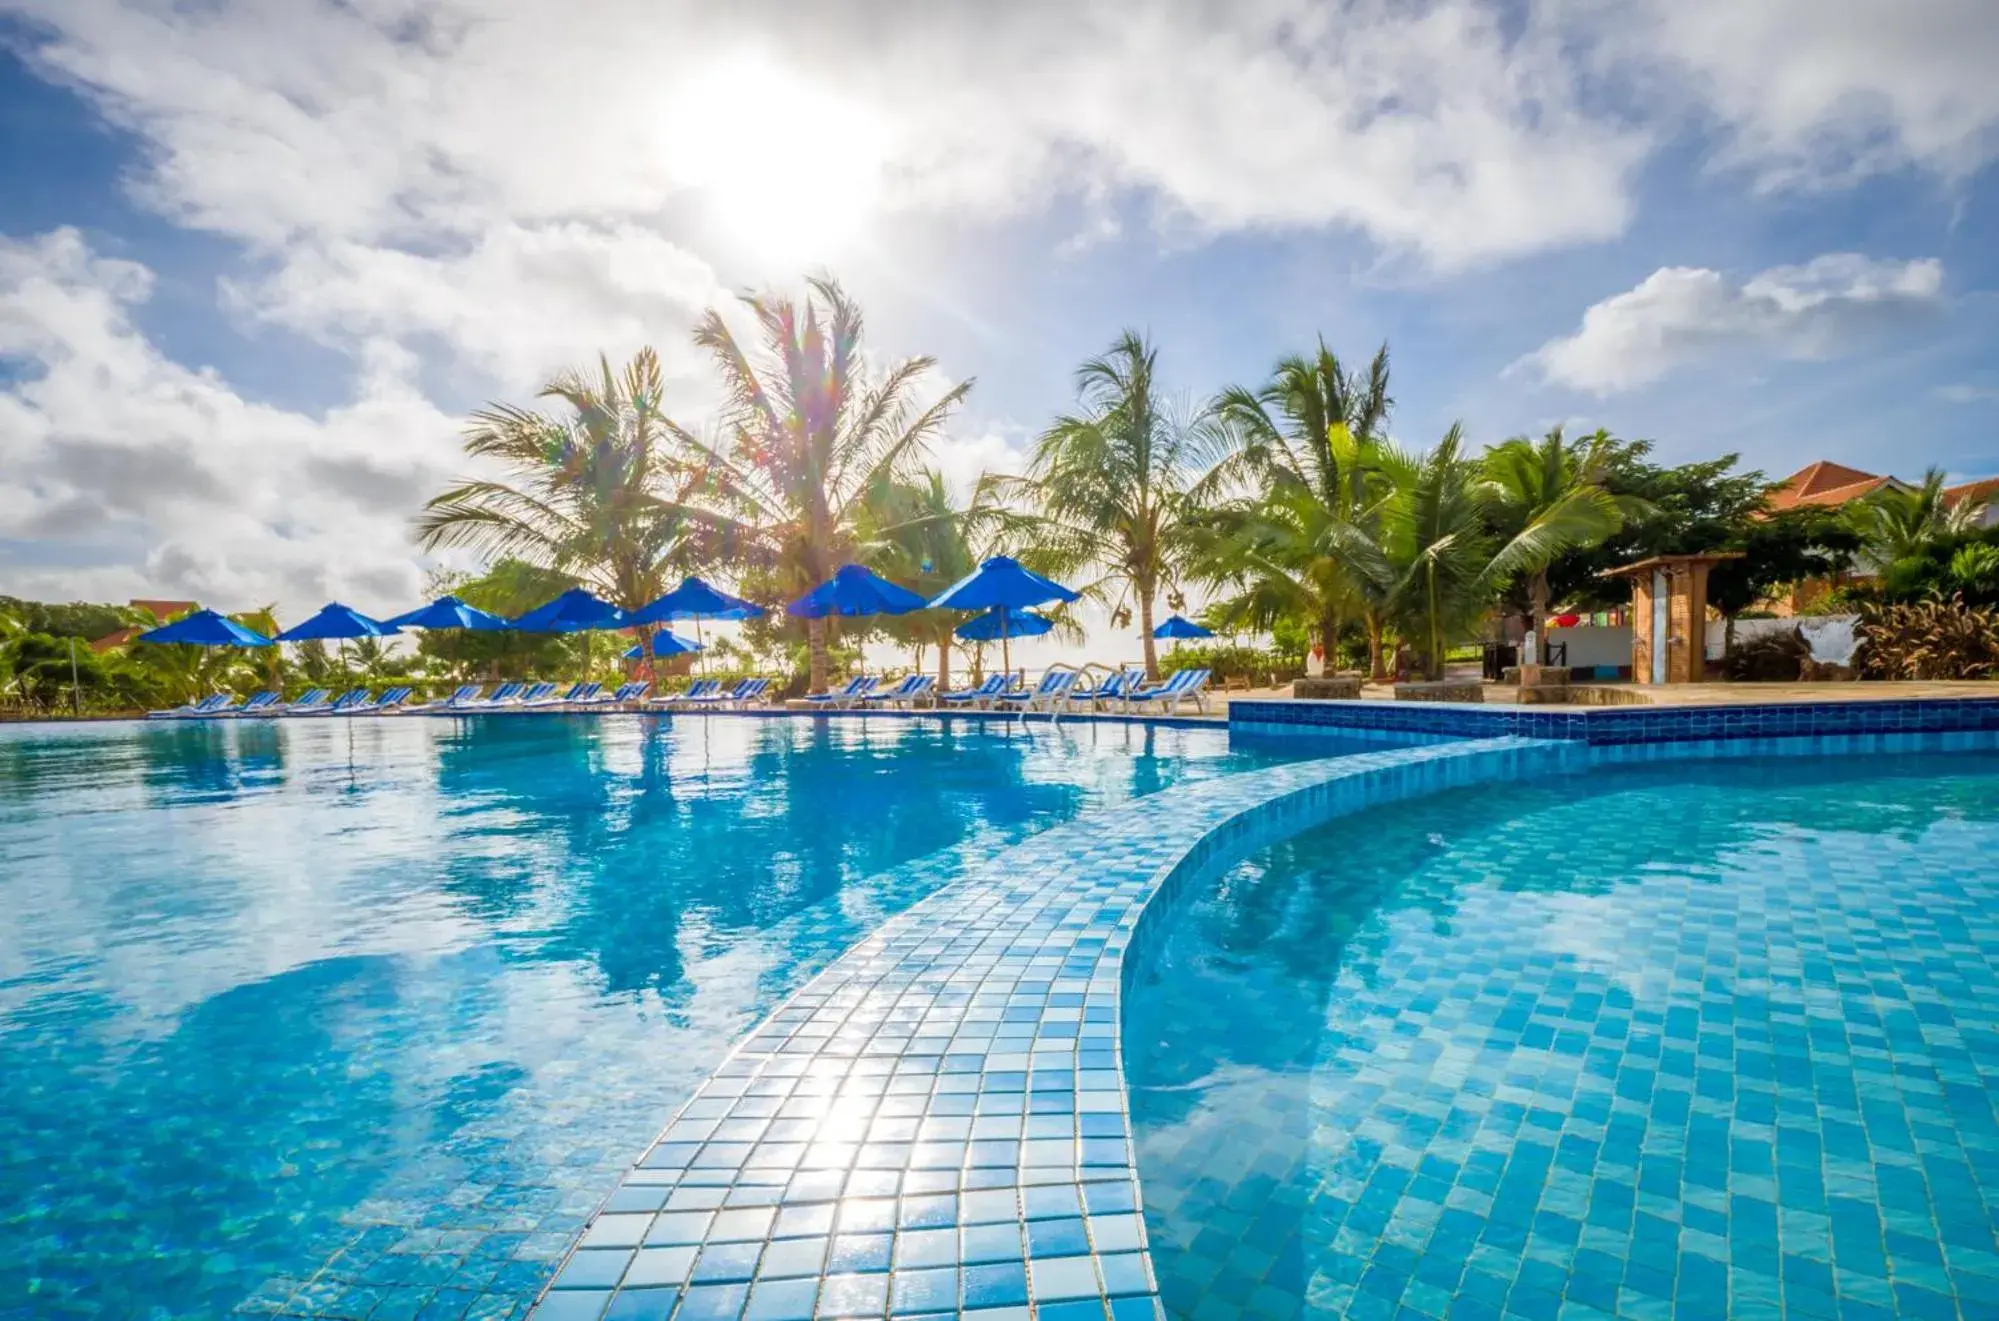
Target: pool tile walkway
pixel 937 1124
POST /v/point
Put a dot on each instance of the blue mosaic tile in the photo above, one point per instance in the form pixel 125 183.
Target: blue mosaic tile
pixel 1611 726
pixel 942 1111
pixel 1647 1043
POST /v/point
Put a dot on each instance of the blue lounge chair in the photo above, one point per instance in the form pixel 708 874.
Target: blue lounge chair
pixel 1047 696
pixel 907 693
pixel 749 691
pixel 388 701
pixel 720 699
pixel 206 706
pixel 857 689
pixel 627 692
pixel 259 704
pixel 309 700
pixel 578 692
pixel 983 695
pixel 1116 687
pixel 503 696
pixel 701 690
pixel 459 697
pixel 1183 686
pixel 337 705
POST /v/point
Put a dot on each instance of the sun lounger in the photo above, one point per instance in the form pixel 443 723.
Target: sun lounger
pixel 259 704
pixel 503 696
pixel 750 691
pixel 907 693
pixel 1047 696
pixel 701 690
pixel 1114 688
pixel 351 697
pixel 388 701
pixel 626 693
pixel 744 689
pixel 983 695
pixel 857 688
pixel 309 700
pixel 578 692
pixel 459 697
pixel 206 706
pixel 1183 686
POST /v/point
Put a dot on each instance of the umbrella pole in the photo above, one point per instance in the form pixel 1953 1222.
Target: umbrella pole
pixel 1006 651
pixel 698 643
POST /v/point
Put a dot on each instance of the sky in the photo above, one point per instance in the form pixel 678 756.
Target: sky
pixel 259 258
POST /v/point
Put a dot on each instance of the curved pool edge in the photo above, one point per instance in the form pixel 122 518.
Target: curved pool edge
pixel 950 1091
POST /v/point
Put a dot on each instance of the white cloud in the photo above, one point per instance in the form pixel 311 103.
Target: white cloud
pixel 518 304
pixel 1430 127
pixel 159 479
pixel 1680 315
pixel 1960 393
pixel 1816 92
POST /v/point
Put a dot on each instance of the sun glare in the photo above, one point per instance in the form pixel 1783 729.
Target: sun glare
pixel 789 170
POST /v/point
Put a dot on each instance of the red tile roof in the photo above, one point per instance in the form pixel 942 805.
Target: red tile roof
pixel 1985 488
pixel 1825 483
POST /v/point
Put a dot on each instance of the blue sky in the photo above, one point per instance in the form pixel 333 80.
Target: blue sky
pixel 257 259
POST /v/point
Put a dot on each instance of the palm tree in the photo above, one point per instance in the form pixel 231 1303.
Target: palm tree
pixel 1435 561
pixel 1895 523
pixel 809 432
pixel 1305 441
pixel 1562 483
pixel 915 534
pixel 598 495
pixel 1110 486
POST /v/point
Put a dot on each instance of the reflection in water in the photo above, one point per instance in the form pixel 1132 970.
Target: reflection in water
pixel 302 1009
pixel 1354 1057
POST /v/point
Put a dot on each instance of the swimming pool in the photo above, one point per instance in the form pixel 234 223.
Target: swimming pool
pixel 1694 1039
pixel 357 1018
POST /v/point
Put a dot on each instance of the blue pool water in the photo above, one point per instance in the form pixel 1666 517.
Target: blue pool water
pixel 362 1018
pixel 1693 1041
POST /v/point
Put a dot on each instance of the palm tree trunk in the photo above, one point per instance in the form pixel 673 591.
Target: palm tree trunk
pixel 1329 638
pixel 1537 615
pixel 1433 664
pixel 816 643
pixel 943 665
pixel 1145 630
pixel 1377 664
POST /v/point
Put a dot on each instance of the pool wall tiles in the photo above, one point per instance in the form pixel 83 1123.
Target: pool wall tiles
pixel 1619 725
pixel 937 1124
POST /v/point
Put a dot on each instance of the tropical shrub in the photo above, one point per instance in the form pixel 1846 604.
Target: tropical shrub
pixel 1941 638
pixel 1229 661
pixel 1768 658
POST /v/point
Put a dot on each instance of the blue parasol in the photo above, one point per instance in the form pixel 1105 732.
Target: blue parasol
pixel 575 611
pixel 695 599
pixel 992 626
pixel 205 628
pixel 664 644
pixel 854 590
pixel 447 612
pixel 1006 583
pixel 1176 627
pixel 336 621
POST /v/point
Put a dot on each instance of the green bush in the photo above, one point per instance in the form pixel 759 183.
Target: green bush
pixel 1228 661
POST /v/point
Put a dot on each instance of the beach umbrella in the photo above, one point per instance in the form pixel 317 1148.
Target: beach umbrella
pixel 338 622
pixel 447 612
pixel 695 600
pixel 1006 583
pixel 664 644
pixel 575 611
pixel 1176 627
pixel 854 590
pixel 990 626
pixel 205 628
